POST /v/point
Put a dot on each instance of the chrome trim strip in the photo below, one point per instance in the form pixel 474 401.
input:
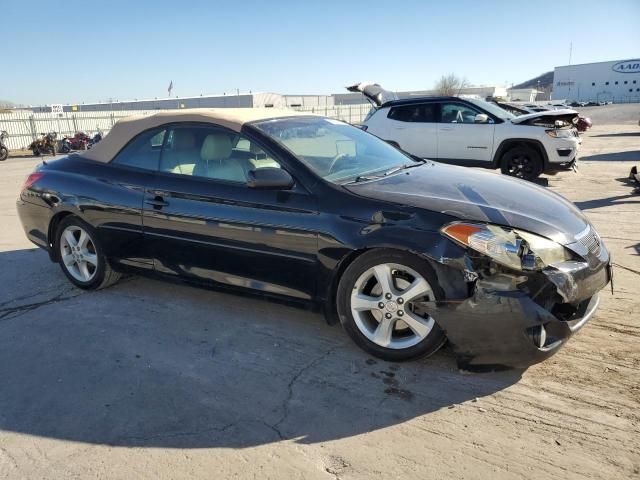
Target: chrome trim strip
pixel 587 316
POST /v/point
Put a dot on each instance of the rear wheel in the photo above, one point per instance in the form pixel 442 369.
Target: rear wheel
pixel 4 153
pixel 383 301
pixel 522 162
pixel 81 257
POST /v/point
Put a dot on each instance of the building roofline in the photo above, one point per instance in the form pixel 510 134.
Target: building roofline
pixel 595 63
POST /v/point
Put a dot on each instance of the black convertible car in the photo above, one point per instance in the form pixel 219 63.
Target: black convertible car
pixel 405 253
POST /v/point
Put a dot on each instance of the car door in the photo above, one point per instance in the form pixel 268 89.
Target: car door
pixel 413 127
pixel 460 137
pixel 118 195
pixel 203 222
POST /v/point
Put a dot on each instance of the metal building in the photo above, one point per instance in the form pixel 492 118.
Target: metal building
pixel 616 81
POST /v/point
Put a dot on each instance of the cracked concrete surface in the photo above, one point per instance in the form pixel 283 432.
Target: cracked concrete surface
pixel 155 380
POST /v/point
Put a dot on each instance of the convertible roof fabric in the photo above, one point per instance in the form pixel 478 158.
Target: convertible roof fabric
pixel 127 128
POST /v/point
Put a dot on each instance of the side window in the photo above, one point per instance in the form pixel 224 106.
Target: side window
pixel 143 151
pixel 457 113
pixel 210 152
pixel 425 113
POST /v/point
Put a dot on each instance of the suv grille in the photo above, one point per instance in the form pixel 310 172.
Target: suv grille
pixel 589 238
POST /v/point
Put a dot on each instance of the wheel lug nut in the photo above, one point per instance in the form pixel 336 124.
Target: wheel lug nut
pixel 401 301
pixel 387 316
pixel 400 313
pixel 387 296
pixel 381 305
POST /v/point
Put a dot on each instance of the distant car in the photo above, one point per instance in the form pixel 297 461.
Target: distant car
pixel 473 132
pixel 406 254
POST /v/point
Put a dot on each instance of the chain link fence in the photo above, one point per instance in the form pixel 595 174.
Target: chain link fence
pixel 24 126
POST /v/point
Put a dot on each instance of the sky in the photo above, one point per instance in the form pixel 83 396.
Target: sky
pixel 80 52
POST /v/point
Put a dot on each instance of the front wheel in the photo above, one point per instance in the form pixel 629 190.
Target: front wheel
pixel 522 162
pixel 384 298
pixel 4 153
pixel 81 257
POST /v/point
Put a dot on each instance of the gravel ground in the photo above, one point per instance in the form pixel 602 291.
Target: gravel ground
pixel 156 380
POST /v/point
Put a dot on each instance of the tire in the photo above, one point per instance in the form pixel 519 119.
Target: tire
pixel 36 151
pixel 374 320
pixel 88 250
pixel 522 162
pixel 4 153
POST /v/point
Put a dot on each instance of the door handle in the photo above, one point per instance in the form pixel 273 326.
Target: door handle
pixel 442 129
pixel 157 202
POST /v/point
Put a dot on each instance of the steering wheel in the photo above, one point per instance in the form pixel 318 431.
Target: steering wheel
pixel 334 161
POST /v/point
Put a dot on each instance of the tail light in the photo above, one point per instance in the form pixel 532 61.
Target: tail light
pixel 31 179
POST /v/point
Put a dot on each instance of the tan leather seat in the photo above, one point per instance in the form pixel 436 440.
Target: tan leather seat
pixel 183 155
pixel 215 162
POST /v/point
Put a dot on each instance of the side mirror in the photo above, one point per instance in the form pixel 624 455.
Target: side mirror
pixel 481 118
pixel 270 178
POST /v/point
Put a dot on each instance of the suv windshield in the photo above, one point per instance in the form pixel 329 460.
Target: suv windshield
pixel 334 150
pixel 491 108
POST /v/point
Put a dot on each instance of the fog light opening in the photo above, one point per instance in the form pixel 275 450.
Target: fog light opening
pixel 538 335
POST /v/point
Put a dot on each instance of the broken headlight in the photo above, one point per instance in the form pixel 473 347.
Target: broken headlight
pixel 509 247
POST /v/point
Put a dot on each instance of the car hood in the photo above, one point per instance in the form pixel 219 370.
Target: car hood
pixel 479 196
pixel 374 93
pixel 548 118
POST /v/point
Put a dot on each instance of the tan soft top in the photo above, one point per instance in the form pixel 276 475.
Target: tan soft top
pixel 127 128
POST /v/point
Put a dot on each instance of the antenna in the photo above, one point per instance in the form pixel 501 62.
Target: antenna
pixel 570 51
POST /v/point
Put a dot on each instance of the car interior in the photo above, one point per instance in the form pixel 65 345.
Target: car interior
pixel 212 154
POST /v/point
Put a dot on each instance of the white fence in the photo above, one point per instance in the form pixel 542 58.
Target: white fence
pixel 24 126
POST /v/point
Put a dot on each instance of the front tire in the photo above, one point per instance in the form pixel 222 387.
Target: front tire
pixel 383 298
pixel 81 256
pixel 4 153
pixel 522 162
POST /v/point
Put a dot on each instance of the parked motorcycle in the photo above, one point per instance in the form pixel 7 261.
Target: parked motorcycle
pixel 96 138
pixel 78 142
pixel 45 144
pixel 4 151
pixel 65 145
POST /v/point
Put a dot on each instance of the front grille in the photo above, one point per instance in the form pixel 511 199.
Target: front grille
pixel 590 239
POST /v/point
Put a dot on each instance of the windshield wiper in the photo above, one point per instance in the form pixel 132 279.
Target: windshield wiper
pixel 404 167
pixel 363 178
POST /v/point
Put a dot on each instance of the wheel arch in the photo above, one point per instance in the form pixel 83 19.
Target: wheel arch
pixel 51 232
pixel 510 143
pixel 450 277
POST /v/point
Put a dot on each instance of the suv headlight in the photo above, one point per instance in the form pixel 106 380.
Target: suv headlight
pixel 556 133
pixel 510 247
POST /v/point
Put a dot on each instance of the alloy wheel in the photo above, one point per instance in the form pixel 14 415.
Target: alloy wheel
pixel 78 253
pixel 388 304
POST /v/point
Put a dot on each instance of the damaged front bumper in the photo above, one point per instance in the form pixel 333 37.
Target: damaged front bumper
pixel 512 320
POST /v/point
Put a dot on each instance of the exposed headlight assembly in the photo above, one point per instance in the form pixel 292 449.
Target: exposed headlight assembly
pixel 560 133
pixel 509 247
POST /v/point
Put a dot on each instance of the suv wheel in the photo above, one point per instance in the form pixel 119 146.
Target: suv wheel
pixel 383 301
pixel 522 162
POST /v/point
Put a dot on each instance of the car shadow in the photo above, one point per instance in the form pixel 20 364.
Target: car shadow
pixel 628 156
pixel 621 134
pixel 153 364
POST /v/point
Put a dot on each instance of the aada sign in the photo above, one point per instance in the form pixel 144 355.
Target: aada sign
pixel 628 66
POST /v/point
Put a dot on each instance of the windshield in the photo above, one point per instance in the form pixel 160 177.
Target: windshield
pixel 334 150
pixel 491 108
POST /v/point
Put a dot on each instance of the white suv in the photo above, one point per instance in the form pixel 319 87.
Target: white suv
pixel 472 132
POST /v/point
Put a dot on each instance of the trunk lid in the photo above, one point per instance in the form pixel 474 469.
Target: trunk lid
pixel 377 95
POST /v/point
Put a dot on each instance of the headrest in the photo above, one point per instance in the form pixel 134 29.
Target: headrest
pixel 216 146
pixel 183 139
pixel 255 149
